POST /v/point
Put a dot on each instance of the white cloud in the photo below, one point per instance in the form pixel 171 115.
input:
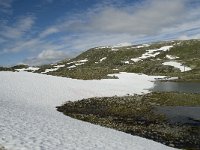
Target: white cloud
pixel 18 29
pixel 34 45
pixel 110 25
pixel 50 54
pixel 46 57
pixel 183 37
pixel 187 37
pixel 149 18
pixel 106 24
pixel 141 22
pixel 49 31
pixel 23 45
pixel 89 40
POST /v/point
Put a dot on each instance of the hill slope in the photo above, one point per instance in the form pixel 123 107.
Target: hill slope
pixel 163 58
pixel 173 58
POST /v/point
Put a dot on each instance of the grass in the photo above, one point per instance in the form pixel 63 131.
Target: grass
pixel 187 51
pixel 135 115
pixel 19 67
pixel 43 68
pixel 151 67
pixel 5 69
pixel 173 99
pixel 85 73
pixel 13 68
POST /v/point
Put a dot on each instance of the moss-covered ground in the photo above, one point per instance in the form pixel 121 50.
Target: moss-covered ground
pixel 136 115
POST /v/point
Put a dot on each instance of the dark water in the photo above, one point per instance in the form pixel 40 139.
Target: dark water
pixel 181 114
pixel 186 87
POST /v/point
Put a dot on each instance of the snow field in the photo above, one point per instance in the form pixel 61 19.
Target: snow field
pixel 29 120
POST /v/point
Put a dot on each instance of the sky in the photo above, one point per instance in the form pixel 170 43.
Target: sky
pixel 36 32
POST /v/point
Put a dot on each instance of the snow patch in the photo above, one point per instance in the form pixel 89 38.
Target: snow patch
pixel 50 70
pixel 59 66
pixel 141 46
pixel 125 62
pixel 28 69
pixel 171 57
pixel 102 47
pixel 177 65
pixel 77 63
pixel 70 67
pixel 53 69
pixel 104 58
pixel 82 61
pixel 136 59
pixel 151 53
pixel 69 63
pixel 114 49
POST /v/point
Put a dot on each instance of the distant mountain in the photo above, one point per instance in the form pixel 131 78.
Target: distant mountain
pixel 172 58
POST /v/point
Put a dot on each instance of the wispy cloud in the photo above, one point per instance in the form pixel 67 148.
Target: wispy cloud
pixel 48 31
pixel 5 3
pixel 5 6
pixel 106 23
pixel 46 57
pixel 18 29
pixel 103 25
pixel 131 19
pixel 16 37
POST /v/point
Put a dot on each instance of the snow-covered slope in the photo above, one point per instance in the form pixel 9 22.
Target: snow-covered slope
pixel 29 120
pixel 151 53
pixel 178 65
pixel 28 69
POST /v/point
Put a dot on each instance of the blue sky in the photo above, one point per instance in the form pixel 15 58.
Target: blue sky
pixel 43 31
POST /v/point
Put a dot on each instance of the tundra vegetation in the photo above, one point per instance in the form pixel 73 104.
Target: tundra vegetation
pixel 136 115
pixel 119 60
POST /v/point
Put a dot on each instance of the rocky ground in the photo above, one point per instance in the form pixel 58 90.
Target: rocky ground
pixel 2 148
pixel 136 115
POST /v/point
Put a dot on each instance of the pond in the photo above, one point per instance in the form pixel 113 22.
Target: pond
pixel 181 114
pixel 186 87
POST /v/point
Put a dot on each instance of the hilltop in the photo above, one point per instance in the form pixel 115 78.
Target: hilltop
pixel 172 58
